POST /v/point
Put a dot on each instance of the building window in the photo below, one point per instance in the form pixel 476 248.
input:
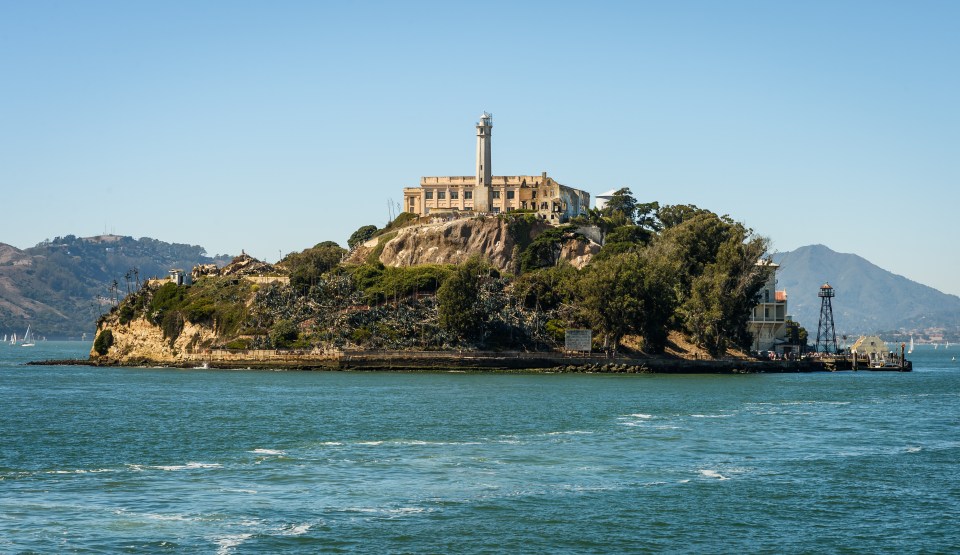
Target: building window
pixel 534 194
pixel 509 195
pixel 428 195
pixel 766 312
pixel 412 201
pixel 441 195
pixel 496 209
pixel 468 195
pixel 454 195
pixel 496 194
pixel 543 206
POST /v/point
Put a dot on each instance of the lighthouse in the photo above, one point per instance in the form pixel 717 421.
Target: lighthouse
pixel 481 189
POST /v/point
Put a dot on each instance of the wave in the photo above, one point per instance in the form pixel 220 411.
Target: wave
pixel 80 471
pixel 175 467
pixel 269 452
pixel 711 415
pixel 707 473
pixel 226 544
pixel 296 529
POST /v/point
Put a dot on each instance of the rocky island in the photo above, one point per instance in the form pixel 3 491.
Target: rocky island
pixel 661 288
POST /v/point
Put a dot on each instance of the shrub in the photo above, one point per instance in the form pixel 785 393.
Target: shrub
pixel 361 235
pixel 238 344
pixel 127 313
pixel 284 333
pixel 103 342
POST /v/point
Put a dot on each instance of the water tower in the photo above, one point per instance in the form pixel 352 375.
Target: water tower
pixel 826 334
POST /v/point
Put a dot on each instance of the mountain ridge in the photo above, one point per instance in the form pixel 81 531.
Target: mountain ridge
pixel 869 299
pixel 60 286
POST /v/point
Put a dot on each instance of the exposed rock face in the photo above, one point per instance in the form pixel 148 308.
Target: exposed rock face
pixel 243 265
pixel 451 243
pixel 141 340
pixel 456 241
pixel 579 253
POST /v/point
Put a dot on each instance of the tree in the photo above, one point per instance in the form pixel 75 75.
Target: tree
pixel 361 235
pixel 284 333
pixel 796 334
pixel 459 310
pixel 103 342
pixel 718 307
pixel 609 301
pixel 307 266
pixel 544 251
pixel 675 214
pixel 622 207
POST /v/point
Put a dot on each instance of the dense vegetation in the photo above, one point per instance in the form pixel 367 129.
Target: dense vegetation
pixel 660 269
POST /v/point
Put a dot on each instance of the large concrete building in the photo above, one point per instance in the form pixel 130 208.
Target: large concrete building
pixel 768 321
pixel 487 193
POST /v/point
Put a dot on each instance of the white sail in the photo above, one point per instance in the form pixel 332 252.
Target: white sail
pixel 911 344
pixel 27 340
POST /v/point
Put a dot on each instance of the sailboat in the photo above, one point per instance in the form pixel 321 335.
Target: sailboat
pixel 27 340
pixel 911 345
pixel 13 339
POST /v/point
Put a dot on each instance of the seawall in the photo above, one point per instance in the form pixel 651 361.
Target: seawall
pixel 413 361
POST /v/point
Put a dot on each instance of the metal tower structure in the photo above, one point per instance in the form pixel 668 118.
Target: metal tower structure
pixel 826 334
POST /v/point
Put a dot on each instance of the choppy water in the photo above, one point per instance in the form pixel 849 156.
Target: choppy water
pixel 200 461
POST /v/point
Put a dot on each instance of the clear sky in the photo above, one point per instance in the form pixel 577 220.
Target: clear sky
pixel 272 126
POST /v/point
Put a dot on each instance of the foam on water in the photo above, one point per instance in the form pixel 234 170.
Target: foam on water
pixel 269 452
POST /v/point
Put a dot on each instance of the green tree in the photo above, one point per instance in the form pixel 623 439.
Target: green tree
pixel 622 207
pixel 609 297
pixel 459 310
pixel 675 214
pixel 544 251
pixel 361 235
pixel 796 334
pixel 307 266
pixel 284 333
pixel 103 342
pixel 718 307
pixel 547 288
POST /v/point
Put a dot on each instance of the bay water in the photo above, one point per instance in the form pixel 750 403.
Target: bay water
pixel 142 460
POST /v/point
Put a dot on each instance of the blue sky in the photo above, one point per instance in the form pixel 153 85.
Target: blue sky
pixel 271 126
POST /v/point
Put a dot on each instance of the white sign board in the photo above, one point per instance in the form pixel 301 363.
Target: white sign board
pixel 579 340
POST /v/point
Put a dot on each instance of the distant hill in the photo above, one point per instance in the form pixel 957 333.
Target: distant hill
pixel 868 298
pixel 60 286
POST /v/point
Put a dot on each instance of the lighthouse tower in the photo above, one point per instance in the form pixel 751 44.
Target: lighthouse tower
pixel 481 190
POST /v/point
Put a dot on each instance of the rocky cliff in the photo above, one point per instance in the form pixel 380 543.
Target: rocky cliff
pixel 453 242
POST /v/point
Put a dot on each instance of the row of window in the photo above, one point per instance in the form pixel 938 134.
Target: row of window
pixel 442 195
pixel 454 195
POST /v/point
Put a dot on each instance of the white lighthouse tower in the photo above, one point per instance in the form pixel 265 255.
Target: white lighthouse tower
pixel 481 190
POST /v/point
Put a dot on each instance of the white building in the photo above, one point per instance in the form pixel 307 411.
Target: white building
pixel 768 321
pixel 603 198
